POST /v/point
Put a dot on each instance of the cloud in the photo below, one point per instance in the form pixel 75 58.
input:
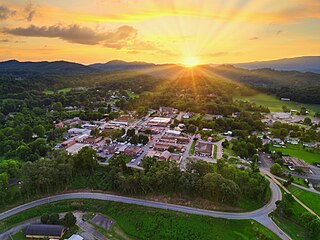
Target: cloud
pixel 254 38
pixel 71 33
pixel 30 10
pixel 6 12
pixel 122 37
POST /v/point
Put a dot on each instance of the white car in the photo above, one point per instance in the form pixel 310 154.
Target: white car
pixel 291 168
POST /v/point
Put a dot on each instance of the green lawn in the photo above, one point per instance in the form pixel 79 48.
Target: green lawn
pixel 275 104
pixel 139 222
pixel 215 149
pixel 19 236
pixel 63 90
pixel 309 155
pixel 191 150
pixel 312 200
pixel 132 95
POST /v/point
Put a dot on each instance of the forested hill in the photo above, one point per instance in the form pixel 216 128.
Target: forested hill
pixel 298 86
pixel 302 64
pixel 57 67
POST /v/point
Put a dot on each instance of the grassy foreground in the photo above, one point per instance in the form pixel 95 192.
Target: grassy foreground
pixel 139 222
pixel 275 104
pixel 309 155
pixel 312 200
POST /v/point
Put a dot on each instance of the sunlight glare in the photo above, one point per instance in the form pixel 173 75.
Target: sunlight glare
pixel 191 61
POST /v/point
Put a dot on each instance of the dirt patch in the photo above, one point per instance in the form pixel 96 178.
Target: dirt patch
pixel 193 202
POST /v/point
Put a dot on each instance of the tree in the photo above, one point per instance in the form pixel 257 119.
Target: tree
pixel 26 133
pixel 225 143
pixel 23 152
pixel 285 108
pixel 307 121
pixel 86 159
pixel 303 111
pixel 171 149
pixel 39 130
pixel 276 169
pixel 54 218
pixel 134 139
pixel 45 218
pixel 131 132
pixel 69 220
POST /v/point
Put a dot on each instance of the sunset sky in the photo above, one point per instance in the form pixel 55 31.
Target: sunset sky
pixel 160 31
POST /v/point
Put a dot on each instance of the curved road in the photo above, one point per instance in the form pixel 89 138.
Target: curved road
pixel 260 215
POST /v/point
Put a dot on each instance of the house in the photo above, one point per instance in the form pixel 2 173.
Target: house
pixel 59 125
pixel 88 126
pixel 173 133
pixel 92 140
pixel 75 148
pixel 110 149
pixel 132 151
pixel 203 149
pixel 164 111
pixel 73 122
pixel 68 143
pixel 44 231
pixel 118 123
pixel 78 131
pixel 166 155
pixel 165 146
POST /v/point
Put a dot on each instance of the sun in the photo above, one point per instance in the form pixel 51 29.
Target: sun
pixel 190 62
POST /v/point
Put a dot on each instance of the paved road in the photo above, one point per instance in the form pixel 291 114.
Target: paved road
pixel 260 215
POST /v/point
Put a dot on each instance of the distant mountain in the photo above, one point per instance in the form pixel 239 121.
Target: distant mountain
pixel 116 65
pixel 301 64
pixel 160 70
pixel 57 67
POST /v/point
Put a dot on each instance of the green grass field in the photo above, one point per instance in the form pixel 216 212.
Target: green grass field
pixel 275 104
pixel 309 155
pixel 139 222
pixel 63 90
pixel 291 225
pixel 312 200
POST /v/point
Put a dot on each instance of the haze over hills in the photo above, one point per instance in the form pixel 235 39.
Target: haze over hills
pixel 301 64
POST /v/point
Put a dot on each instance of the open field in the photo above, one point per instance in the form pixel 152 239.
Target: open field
pixel 150 223
pixel 275 104
pixel 309 155
pixel 63 90
pixel 312 200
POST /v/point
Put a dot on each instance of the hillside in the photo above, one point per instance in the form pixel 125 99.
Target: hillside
pixel 298 86
pixel 57 67
pixel 302 64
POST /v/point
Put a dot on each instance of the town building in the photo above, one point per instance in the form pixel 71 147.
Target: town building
pixel 165 156
pixel 159 121
pixel 296 163
pixel 166 111
pixel 203 149
pixel 44 231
